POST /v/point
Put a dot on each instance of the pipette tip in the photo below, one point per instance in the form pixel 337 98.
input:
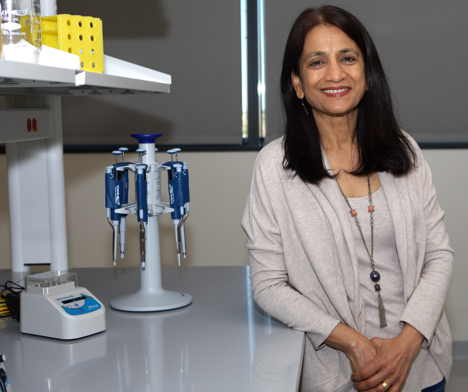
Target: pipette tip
pixel 114 262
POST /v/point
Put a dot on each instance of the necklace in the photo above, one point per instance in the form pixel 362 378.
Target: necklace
pixel 374 275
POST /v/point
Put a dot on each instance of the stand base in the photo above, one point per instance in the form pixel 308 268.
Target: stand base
pixel 151 302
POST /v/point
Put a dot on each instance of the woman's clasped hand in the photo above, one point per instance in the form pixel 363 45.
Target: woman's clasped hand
pixel 391 363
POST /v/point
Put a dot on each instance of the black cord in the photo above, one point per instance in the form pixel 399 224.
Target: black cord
pixel 10 300
pixel 16 286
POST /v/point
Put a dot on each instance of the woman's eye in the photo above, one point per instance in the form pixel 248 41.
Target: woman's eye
pixel 349 59
pixel 316 63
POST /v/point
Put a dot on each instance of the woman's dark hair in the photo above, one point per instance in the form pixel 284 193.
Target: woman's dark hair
pixel 381 144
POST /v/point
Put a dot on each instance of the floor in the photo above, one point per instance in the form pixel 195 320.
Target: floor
pixel 459 377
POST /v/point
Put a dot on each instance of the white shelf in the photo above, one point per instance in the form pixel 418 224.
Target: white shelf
pixel 120 77
pixel 44 241
pixel 14 73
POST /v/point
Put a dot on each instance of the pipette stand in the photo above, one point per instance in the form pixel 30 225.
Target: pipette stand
pixel 151 296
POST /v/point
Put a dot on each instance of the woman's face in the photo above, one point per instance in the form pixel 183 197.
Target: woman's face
pixel 332 76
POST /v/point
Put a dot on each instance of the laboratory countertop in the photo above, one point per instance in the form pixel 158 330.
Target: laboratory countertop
pixel 221 342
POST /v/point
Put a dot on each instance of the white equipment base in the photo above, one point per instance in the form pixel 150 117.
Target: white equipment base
pixel 44 315
pixel 151 301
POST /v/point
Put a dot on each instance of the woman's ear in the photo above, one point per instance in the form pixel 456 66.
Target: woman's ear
pixel 296 81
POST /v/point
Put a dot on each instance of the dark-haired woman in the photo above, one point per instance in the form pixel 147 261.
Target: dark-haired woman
pixel 345 233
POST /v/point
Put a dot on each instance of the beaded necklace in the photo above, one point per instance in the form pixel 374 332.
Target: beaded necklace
pixel 374 275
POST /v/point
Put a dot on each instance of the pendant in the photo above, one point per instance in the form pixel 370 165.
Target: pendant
pixel 375 276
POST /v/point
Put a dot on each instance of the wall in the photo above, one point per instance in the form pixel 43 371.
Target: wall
pixel 219 186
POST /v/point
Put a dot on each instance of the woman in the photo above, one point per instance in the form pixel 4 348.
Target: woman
pixel 345 233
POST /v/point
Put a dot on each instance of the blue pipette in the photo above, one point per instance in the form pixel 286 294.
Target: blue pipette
pixel 114 187
pixel 116 197
pixel 141 188
pixel 176 200
pixel 186 194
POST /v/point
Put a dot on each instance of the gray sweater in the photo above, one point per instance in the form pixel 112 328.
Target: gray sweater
pixel 304 267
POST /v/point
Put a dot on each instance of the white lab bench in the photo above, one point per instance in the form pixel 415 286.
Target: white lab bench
pixel 221 342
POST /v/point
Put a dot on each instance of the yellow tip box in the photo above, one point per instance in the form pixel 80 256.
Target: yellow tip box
pixel 80 35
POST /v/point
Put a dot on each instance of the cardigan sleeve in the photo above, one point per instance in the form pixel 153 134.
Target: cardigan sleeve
pixel 425 306
pixel 268 272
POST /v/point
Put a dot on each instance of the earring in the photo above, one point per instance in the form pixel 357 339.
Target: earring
pixel 305 109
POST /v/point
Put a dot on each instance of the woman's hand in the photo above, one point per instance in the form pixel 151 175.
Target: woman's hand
pixel 361 354
pixel 356 346
pixel 392 362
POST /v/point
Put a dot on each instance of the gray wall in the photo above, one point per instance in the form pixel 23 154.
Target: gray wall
pixel 422 44
pixel 196 42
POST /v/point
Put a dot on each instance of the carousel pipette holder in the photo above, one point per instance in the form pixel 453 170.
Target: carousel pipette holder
pixel 53 305
pixel 151 296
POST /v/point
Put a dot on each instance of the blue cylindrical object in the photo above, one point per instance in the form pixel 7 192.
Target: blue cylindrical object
pixel 109 182
pixel 124 179
pixel 185 176
pixel 146 138
pixel 176 190
pixel 114 215
pixel 141 188
pixel 125 190
pixel 114 192
pixel 116 188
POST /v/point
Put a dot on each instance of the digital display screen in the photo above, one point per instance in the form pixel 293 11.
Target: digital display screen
pixel 83 297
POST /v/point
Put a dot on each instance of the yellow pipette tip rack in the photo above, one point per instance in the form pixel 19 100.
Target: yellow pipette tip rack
pixel 80 35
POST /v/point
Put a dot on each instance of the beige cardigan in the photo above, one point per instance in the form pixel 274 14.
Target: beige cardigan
pixel 304 268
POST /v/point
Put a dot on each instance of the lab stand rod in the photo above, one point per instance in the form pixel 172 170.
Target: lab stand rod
pixel 151 279
pixel 14 190
pixel 58 222
pixel 48 7
pixel 54 151
pixel 150 156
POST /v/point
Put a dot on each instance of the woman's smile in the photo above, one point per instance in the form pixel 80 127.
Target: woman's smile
pixel 336 92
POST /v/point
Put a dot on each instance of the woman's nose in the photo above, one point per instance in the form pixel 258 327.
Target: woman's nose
pixel 335 72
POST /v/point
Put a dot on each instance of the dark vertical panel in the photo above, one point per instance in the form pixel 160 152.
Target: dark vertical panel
pixel 252 72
